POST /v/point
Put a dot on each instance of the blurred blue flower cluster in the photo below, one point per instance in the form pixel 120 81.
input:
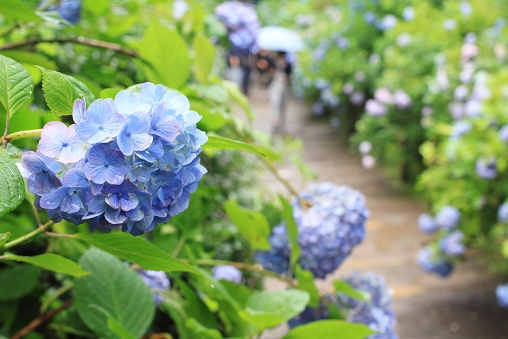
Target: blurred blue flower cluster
pixel 227 272
pixel 69 10
pixel 502 295
pixel 327 230
pixel 437 259
pixel 126 163
pixel 242 23
pixel 376 313
pixel 156 280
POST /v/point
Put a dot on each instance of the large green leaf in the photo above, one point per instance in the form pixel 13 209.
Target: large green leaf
pixel 204 56
pixel 4 237
pixel 216 142
pixel 112 289
pixel 18 281
pixel 15 9
pixel 330 329
pixel 285 304
pixel 12 186
pixel 60 91
pixel 52 262
pixel 16 84
pixel 236 94
pixel 252 225
pixel 167 53
pixel 287 212
pixel 135 250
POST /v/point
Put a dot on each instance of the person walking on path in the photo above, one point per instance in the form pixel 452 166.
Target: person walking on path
pixel 278 92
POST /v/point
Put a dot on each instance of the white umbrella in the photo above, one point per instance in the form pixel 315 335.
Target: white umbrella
pixel 275 38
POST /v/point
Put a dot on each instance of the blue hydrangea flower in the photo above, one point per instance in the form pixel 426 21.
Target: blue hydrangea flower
pixel 378 313
pixel 486 168
pixel 452 245
pixel 430 261
pixel 311 314
pixel 460 128
pixel 227 272
pixel 61 142
pixel 503 134
pixel 502 295
pixel 156 280
pixel 328 230
pixel 448 217
pixel 128 163
pixel 502 213
pixel 69 10
pixel 427 224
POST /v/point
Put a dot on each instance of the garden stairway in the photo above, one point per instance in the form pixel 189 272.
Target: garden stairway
pixel 461 306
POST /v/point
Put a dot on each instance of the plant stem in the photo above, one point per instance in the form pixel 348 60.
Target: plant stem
pixel 21 134
pixel 29 235
pixel 254 268
pixel 79 40
pixel 39 320
pixel 64 288
pixel 179 246
pixel 71 330
pixel 7 122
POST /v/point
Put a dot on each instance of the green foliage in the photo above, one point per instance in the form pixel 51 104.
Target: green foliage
pixel 306 283
pixel 12 186
pixel 135 250
pixel 204 57
pixel 50 261
pixel 112 295
pixel 252 225
pixel 348 290
pixel 216 142
pixel 15 9
pixel 277 306
pixel 330 329
pixel 18 281
pixel 16 85
pixel 59 91
pixel 167 54
pixel 292 228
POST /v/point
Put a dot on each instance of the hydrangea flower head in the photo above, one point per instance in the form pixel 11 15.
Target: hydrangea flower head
pixel 328 230
pixel 227 272
pixel 430 261
pixel 156 280
pixel 128 163
pixel 486 168
pixel 502 213
pixel 427 224
pixel 452 245
pixel 448 217
pixel 375 108
pixel 502 295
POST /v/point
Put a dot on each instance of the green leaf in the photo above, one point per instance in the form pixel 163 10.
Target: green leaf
pixel 52 262
pixel 4 237
pixel 12 186
pixel 117 328
pixel 348 290
pixel 15 9
pixel 109 93
pixel 135 250
pixel 167 53
pixel 82 89
pixel 236 94
pixel 59 91
pixel 18 281
pixel 204 57
pixel 252 225
pixel 330 329
pixel 287 213
pixel 504 249
pixel 114 289
pixel 306 283
pixel 16 84
pixel 200 331
pixel 31 58
pixel 285 304
pixel 303 167
pixel 216 142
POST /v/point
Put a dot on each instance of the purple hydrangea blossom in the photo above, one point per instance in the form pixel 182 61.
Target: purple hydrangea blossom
pixel 375 108
pixel 227 272
pixel 328 230
pixel 502 213
pixel 452 245
pixel 448 217
pixel 503 134
pixel 157 281
pixel 427 224
pixel 502 295
pixel 402 100
pixel 430 260
pixel 129 163
pixel 486 168
pixel 460 128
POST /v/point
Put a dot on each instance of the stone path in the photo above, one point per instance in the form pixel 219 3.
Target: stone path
pixel 461 306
